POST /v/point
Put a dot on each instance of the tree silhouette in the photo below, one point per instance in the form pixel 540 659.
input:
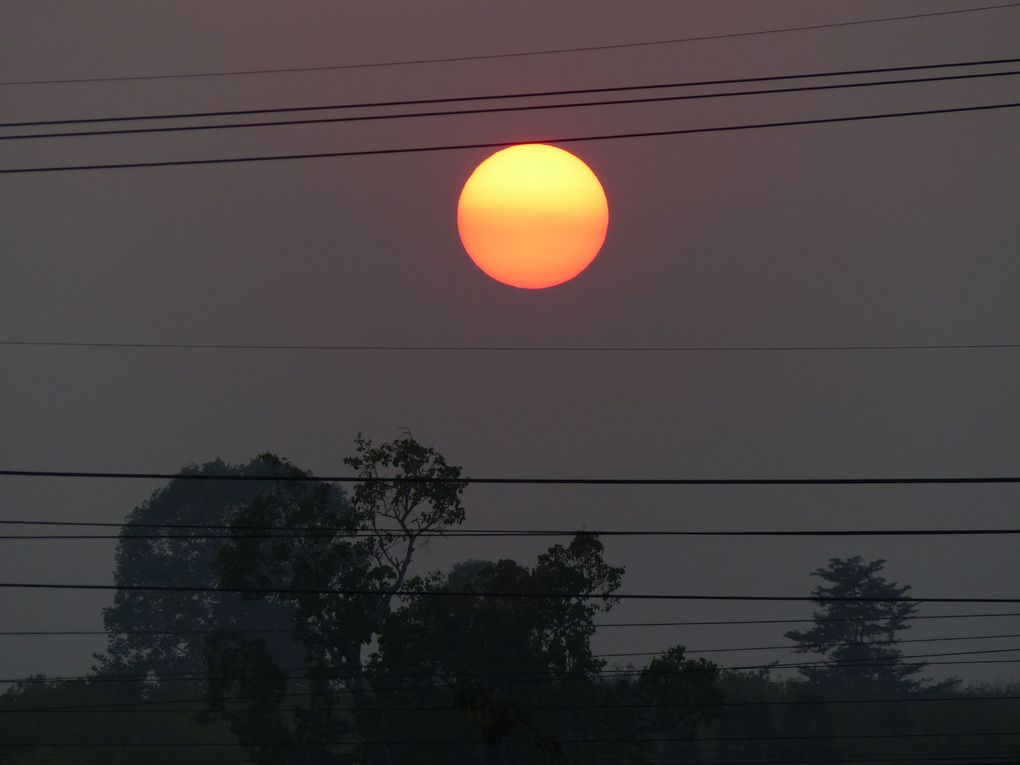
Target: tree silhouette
pixel 487 659
pixel 406 490
pixel 857 638
pixel 160 633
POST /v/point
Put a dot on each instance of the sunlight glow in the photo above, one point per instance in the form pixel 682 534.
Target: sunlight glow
pixel 532 216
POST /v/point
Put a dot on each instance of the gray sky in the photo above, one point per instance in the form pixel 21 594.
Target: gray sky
pixel 891 232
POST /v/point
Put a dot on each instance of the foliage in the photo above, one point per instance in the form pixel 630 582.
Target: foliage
pixel 162 633
pixel 405 491
pixel 482 637
pixel 522 667
pixel 74 712
pixel 684 688
pixel 496 679
pixel 856 632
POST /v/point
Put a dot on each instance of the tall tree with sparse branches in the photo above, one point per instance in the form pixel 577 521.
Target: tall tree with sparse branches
pixel 338 574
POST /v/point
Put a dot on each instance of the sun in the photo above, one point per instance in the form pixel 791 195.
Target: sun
pixel 532 216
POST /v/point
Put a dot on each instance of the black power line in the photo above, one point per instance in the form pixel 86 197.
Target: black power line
pixel 501 144
pixel 816 645
pixel 516 54
pixel 501 109
pixel 510 533
pixel 531 480
pixel 985 759
pixel 504 677
pixel 601 625
pixel 953 749
pixel 487 594
pixel 968 756
pixel 710 623
pixel 1005 758
pixel 115 706
pixel 479 742
pixel 510 348
pixel 848 663
pixel 519 94
pixel 644 653
pixel 1002 757
pixel 884 753
pixel 980 757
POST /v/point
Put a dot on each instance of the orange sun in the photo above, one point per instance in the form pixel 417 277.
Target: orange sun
pixel 532 216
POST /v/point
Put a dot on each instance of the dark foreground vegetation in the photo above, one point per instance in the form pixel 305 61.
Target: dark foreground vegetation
pixel 303 634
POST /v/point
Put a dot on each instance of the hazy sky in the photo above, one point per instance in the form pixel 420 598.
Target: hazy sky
pixel 890 232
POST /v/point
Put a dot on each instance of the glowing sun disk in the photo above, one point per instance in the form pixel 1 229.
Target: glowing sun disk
pixel 532 216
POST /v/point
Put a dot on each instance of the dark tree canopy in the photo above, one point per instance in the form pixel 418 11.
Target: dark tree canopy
pixel 350 654
pixel 490 658
pixel 478 638
pixel 369 548
pixel 164 632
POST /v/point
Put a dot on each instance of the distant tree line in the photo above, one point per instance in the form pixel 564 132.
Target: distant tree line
pixel 382 676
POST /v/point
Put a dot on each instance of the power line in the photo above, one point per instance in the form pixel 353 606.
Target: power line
pixel 526 533
pixel 600 625
pixel 970 757
pixel 883 753
pixel 95 708
pixel 857 748
pixel 529 742
pixel 952 749
pixel 510 348
pixel 518 94
pixel 715 623
pixel 1005 758
pixel 974 757
pixel 814 645
pixel 245 531
pixel 958 748
pixel 515 54
pixel 979 757
pixel 950 759
pixel 501 109
pixel 891 755
pixel 987 759
pixel 786 647
pixel 530 480
pixel 963 754
pixel 984 757
pixel 487 594
pixel 501 144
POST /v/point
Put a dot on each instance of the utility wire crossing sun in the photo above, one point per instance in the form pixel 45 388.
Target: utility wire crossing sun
pixel 532 216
